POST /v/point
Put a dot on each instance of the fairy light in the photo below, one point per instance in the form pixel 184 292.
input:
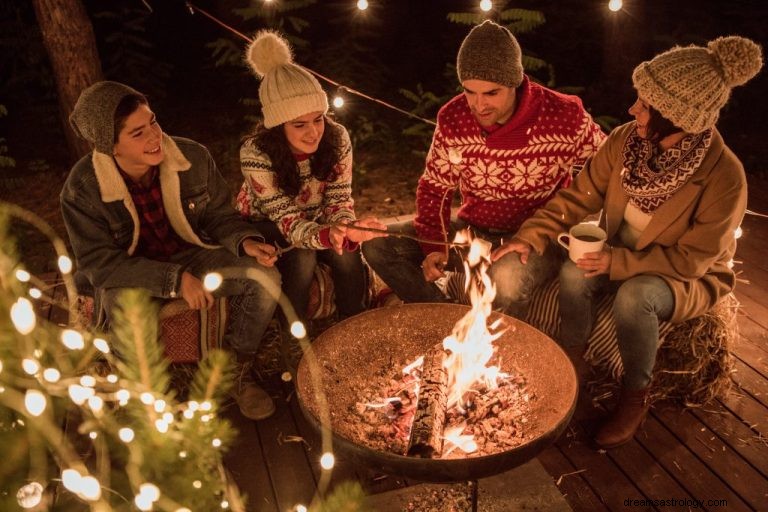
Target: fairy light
pixel 1 367
pixel 96 403
pixel 338 101
pixel 161 425
pixel 23 316
pixel 216 442
pixel 65 264
pixel 189 414
pixel 80 394
pixel 159 405
pixel 150 491
pixel 88 381
pixel 112 378
pixel 737 234
pixel 93 434
pixel 35 402
pixel 101 345
pixel 142 502
pixel 90 489
pixel 168 417
pixel 615 5
pixel 183 454
pixel 205 418
pixel 30 366
pixel 362 4
pixel 122 396
pixel 126 434
pixel 212 281
pixel 197 484
pixel 72 339
pixel 224 504
pixel 185 509
pixel 52 375
pixel 206 406
pixel 30 495
pixel 23 276
pixel 327 461
pixel 486 5
pixel 147 398
pixel 35 293
pixel 193 405
pixel 301 508
pixel 71 479
pixel 298 330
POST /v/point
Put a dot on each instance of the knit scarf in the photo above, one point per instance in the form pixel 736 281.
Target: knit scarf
pixel 651 176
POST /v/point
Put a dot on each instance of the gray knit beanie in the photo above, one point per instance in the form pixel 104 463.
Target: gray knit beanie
pixel 93 117
pixel 287 90
pixel 491 53
pixel 690 85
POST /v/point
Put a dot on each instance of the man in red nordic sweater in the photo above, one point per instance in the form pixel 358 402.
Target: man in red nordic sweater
pixel 507 144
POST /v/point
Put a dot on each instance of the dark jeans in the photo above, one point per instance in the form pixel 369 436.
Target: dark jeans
pixel 297 267
pixel 251 306
pixel 641 302
pixel 398 262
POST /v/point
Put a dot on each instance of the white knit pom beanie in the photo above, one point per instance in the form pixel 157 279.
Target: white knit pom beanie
pixel 690 85
pixel 287 90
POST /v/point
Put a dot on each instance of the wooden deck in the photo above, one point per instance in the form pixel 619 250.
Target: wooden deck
pixel 714 458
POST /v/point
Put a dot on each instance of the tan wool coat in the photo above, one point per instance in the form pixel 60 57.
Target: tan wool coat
pixel 690 239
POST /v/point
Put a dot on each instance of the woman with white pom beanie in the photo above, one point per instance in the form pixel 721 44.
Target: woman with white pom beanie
pixel 298 180
pixel 672 195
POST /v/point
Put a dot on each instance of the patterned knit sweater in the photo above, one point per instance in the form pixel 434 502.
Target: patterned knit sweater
pixel 303 219
pixel 505 175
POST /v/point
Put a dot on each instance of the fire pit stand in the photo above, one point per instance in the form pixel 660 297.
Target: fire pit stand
pixel 355 349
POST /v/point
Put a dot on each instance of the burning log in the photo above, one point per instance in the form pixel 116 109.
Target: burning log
pixel 426 439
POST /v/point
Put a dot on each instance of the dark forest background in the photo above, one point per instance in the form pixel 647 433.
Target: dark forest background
pixel 400 51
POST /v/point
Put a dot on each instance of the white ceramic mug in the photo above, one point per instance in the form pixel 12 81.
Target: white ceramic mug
pixel 582 238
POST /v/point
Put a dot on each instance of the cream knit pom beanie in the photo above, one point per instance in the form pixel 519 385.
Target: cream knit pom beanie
pixel 689 85
pixel 287 90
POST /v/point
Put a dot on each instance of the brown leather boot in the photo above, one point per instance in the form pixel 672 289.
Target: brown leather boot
pixel 625 420
pixel 253 401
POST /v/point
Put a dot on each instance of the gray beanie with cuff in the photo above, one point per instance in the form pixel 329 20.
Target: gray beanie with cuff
pixel 93 117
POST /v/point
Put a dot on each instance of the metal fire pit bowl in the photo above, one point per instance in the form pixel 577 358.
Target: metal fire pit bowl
pixel 361 346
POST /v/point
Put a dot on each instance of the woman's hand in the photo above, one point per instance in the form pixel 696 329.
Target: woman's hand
pixel 595 263
pixel 336 236
pixel 433 266
pixel 359 236
pixel 265 254
pixel 520 247
pixel 193 292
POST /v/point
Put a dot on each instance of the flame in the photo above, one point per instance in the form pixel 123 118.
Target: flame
pixel 470 345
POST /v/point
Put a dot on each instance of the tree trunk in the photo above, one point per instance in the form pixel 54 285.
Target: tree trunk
pixel 71 45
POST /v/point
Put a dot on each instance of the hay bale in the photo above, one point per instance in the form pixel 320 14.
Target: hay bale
pixel 693 364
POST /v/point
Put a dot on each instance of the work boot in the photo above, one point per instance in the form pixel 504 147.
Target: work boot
pixel 626 418
pixel 253 401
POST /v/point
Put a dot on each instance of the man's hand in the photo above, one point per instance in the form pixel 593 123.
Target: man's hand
pixel 194 293
pixel 359 236
pixel 265 254
pixel 433 266
pixel 595 263
pixel 522 248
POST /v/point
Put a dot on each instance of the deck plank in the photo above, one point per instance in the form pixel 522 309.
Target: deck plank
pixel 568 478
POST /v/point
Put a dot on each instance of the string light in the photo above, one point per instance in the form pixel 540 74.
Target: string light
pixel 298 330
pixel 79 394
pixel 72 339
pixel 23 276
pixel 30 366
pixel 126 434
pixel 362 4
pixel 159 405
pixel 338 101
pixel 301 508
pixel 161 425
pixel 486 5
pixel 147 398
pixel 101 345
pixel 51 375
pixel 212 281
pixel 206 406
pixel 65 264
pixel 35 402
pixel 197 484
pixel 327 461
pixel 122 396
pixel 737 234
pixel 96 403
pixel 112 378
pixel 216 442
pixel 93 435
pixel 35 293
pixel 30 495
pixel 615 5
pixel 88 381
pixel 23 316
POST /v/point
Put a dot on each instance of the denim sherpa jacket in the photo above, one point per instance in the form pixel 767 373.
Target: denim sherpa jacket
pixel 103 224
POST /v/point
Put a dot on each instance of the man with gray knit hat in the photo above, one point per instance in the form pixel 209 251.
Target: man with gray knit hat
pixel 509 144
pixel 145 210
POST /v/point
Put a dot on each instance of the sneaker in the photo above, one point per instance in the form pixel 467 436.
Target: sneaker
pixel 253 401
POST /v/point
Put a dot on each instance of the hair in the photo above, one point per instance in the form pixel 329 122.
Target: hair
pixel 125 108
pixel 659 126
pixel 274 143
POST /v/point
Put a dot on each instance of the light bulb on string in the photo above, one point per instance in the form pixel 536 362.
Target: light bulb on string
pixel 52 375
pixel 737 234
pixel 486 5
pixel 338 101
pixel 30 495
pixel 35 293
pixel 23 276
pixel 65 264
pixel 23 316
pixel 362 4
pixel 30 366
pixel 327 461
pixel 615 5
pixel 212 281
pixel 35 402
pixel 72 339
pixel 298 330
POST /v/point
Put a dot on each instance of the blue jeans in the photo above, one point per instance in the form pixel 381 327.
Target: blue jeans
pixel 398 262
pixel 297 267
pixel 250 305
pixel 640 303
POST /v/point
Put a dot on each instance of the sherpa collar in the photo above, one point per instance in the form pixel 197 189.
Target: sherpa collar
pixel 112 187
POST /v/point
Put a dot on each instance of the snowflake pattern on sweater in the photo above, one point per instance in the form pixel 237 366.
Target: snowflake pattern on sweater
pixel 505 175
pixel 303 219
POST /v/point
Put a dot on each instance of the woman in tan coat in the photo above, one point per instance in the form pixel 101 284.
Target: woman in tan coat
pixel 672 195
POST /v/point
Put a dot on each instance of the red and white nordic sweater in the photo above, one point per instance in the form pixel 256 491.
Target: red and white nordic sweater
pixel 504 176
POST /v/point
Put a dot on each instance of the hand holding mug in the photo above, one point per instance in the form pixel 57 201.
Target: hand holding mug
pixel 582 239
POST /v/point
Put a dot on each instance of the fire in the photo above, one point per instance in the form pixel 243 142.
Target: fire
pixel 470 345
